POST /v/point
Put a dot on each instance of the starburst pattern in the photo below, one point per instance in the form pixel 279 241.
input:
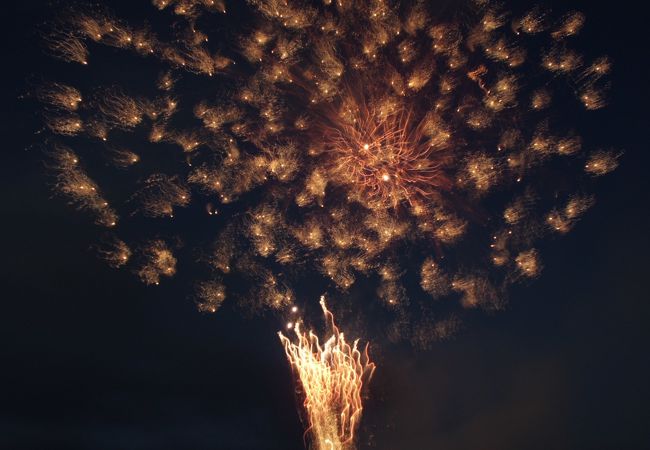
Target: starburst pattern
pixel 353 139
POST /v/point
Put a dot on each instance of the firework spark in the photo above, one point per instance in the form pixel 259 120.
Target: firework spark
pixel 332 376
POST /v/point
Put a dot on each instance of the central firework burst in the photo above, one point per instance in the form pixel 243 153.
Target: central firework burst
pixel 388 157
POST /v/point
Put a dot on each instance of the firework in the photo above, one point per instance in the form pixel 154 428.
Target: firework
pixel 344 140
pixel 342 133
pixel 332 376
pixel 389 158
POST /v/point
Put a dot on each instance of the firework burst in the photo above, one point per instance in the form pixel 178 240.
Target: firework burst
pixel 388 158
pixel 337 136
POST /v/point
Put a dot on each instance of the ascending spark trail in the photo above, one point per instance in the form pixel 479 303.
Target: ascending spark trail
pixel 332 376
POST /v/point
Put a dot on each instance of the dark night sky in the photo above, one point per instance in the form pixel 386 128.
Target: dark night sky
pixel 92 359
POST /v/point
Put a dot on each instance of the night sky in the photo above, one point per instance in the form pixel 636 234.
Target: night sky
pixel 93 359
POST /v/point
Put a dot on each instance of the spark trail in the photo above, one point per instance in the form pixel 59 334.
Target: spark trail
pixel 332 376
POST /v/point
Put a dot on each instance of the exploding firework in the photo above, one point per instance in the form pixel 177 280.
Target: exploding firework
pixel 343 134
pixel 424 152
pixel 332 376
pixel 388 159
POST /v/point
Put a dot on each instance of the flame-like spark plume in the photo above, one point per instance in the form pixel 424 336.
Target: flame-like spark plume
pixel 332 377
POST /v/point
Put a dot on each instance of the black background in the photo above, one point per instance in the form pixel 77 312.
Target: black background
pixel 92 359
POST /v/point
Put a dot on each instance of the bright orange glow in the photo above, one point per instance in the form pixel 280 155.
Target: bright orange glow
pixel 388 156
pixel 332 376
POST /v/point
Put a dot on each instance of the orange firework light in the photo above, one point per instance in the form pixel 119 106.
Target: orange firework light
pixel 332 376
pixel 388 156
